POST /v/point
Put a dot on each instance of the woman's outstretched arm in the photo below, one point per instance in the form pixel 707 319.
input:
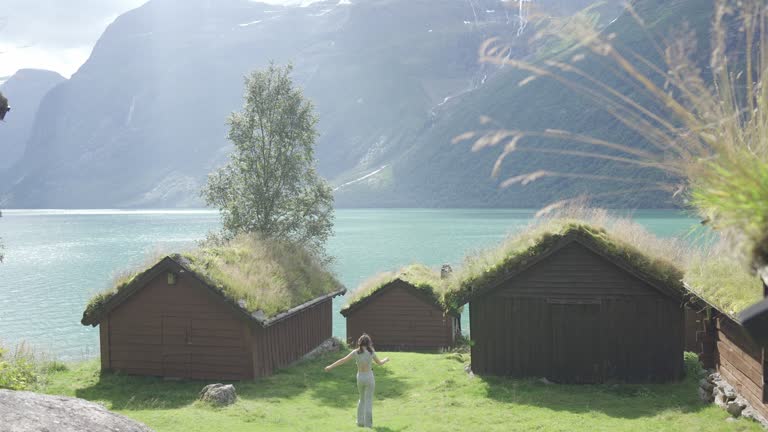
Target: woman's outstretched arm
pixel 340 361
pixel 380 362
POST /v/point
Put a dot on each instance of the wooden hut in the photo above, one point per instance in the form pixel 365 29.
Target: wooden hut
pixel 184 318
pixel 723 343
pixel 403 311
pixel 576 306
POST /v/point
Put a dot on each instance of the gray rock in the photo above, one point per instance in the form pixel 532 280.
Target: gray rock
pixel 330 345
pixel 23 411
pixel 713 377
pixel 706 385
pixel 219 394
pixel 705 396
pixel 729 393
pixel 735 408
pixel 718 397
pixel 751 414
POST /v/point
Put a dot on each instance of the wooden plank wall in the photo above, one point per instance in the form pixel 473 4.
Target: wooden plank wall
pixel 180 330
pixel 700 335
pixel 288 340
pixel 397 319
pixel 741 362
pixel 521 329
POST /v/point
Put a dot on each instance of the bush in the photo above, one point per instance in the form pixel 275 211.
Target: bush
pixel 22 369
pixel 693 368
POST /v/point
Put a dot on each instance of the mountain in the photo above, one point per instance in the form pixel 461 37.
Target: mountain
pixel 435 173
pixel 24 89
pixel 142 122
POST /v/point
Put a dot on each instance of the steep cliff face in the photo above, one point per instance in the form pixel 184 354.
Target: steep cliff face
pixel 24 90
pixel 142 123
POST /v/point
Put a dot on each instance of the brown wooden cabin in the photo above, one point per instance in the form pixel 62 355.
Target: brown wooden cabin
pixel 172 322
pixel 574 313
pixel 400 317
pixel 722 343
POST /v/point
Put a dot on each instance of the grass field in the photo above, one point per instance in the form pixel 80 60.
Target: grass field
pixel 415 392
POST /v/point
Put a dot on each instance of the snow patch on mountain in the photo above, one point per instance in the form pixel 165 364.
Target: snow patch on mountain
pixel 357 180
pixel 250 23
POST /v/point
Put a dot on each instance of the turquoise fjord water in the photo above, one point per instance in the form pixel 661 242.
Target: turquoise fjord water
pixel 56 259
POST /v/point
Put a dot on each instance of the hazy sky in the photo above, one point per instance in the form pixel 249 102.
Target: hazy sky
pixel 57 34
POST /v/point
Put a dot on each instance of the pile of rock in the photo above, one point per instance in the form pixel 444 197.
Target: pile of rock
pixel 713 388
pixel 330 345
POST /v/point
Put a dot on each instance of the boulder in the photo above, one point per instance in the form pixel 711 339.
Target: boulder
pixel 23 411
pixel 218 394
pixel 735 408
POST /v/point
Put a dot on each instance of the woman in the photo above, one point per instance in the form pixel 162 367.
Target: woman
pixel 364 355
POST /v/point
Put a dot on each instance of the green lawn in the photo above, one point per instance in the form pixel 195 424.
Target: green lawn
pixel 415 392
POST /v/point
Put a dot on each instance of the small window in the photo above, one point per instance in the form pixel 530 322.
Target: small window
pixel 171 278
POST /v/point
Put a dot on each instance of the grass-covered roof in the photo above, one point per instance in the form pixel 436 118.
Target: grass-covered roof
pixel 621 239
pixel 261 277
pixel 722 279
pixel 424 279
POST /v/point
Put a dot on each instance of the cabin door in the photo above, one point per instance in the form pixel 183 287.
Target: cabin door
pixel 176 346
pixel 576 355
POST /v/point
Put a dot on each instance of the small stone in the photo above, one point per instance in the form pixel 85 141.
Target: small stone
pixel 730 395
pixel 218 394
pixel 713 378
pixel 735 408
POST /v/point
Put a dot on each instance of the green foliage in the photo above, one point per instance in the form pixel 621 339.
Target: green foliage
pixel 23 369
pixel 421 277
pixel 266 275
pixel 270 186
pixel 303 397
pixel 693 368
pixel 17 372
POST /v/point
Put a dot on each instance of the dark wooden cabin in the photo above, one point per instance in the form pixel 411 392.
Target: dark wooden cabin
pixel 574 309
pixel 723 343
pixel 171 321
pixel 400 316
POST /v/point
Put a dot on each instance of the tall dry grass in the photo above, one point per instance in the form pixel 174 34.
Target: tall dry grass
pixel 706 127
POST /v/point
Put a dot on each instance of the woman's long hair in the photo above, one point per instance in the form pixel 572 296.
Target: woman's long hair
pixel 365 341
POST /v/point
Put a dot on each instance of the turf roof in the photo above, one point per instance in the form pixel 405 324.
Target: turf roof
pixel 723 280
pixel 424 279
pixel 486 271
pixel 263 278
